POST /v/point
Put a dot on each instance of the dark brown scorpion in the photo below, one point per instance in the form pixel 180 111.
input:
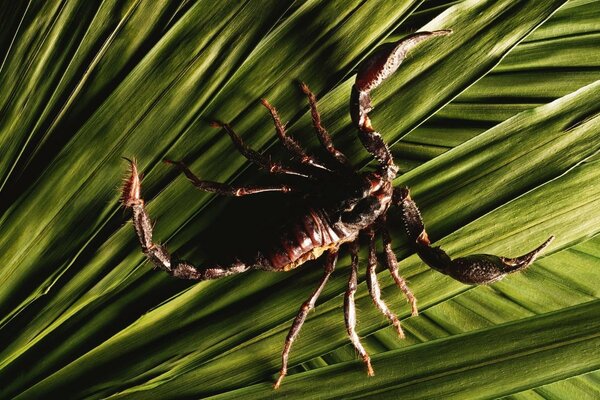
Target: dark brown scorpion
pixel 344 204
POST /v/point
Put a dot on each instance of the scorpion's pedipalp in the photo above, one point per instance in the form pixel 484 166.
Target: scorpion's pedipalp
pixel 386 60
pixel 378 67
pixel 473 269
pixel 371 72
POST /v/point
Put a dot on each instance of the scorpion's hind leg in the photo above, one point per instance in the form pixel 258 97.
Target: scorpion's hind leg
pixel 159 255
pixel 350 309
pixel 474 269
pixel 224 189
pixel 373 285
pixel 308 305
pixel 392 264
pixel 322 133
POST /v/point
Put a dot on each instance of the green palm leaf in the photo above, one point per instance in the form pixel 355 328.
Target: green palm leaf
pixel 82 85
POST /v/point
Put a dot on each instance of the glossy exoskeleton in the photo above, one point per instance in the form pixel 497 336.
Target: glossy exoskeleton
pixel 347 204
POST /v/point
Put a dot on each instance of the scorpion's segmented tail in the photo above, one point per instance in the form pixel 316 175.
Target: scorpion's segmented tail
pixel 159 255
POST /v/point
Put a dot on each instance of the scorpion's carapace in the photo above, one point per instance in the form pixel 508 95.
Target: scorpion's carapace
pixel 342 204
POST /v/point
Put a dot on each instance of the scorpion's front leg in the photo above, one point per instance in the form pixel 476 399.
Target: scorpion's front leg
pixel 474 269
pixel 308 305
pixel 156 253
pixel 322 133
pixel 290 144
pixel 262 161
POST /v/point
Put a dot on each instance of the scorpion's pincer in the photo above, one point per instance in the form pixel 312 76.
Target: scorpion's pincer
pixel 378 67
pixel 478 269
pixel 473 269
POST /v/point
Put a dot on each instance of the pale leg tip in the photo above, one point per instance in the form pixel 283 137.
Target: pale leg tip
pixel 304 88
pixel 399 331
pixel 370 371
pixel 414 310
pixel 367 361
pixel 277 384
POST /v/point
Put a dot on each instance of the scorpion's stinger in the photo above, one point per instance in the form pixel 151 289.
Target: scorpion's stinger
pixel 130 192
pixel 474 269
pixel 159 255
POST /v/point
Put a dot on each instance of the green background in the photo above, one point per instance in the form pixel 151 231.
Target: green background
pixel 496 129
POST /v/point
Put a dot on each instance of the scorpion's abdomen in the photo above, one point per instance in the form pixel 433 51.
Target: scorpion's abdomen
pixel 305 240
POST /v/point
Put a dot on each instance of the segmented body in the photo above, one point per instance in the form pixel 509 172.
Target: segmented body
pixel 307 240
pixel 324 229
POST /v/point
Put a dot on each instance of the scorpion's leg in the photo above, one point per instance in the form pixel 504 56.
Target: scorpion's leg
pixel 474 269
pixel 350 309
pixel 374 288
pixel 322 133
pixel 254 156
pixel 392 264
pixel 289 143
pixel 308 305
pixel 156 253
pixel 224 189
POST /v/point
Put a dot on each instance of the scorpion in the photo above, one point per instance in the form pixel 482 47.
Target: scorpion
pixel 343 204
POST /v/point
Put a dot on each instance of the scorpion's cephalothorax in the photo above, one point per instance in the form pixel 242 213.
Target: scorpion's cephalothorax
pixel 342 204
pixel 375 200
pixel 326 228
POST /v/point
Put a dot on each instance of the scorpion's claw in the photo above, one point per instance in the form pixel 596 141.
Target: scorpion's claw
pixel 130 191
pixel 478 269
pixel 376 68
pixel 474 269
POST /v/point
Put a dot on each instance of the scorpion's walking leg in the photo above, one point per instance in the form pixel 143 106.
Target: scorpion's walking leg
pixel 254 156
pixel 322 133
pixel 392 264
pixel 350 309
pixel 156 253
pixel 374 288
pixel 476 269
pixel 303 313
pixel 224 189
pixel 289 143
